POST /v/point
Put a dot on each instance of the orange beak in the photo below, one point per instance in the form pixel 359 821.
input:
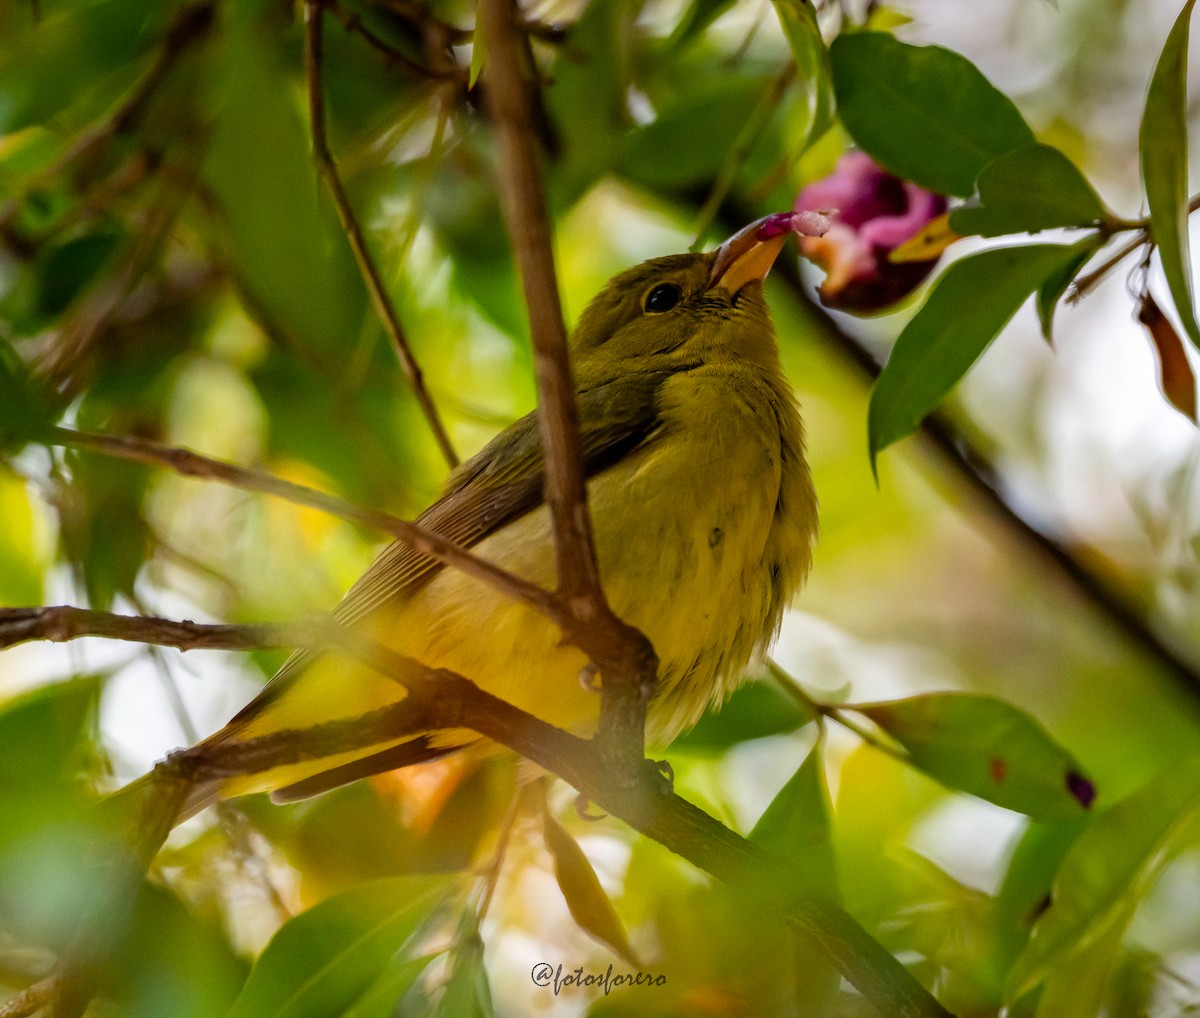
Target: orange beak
pixel 749 254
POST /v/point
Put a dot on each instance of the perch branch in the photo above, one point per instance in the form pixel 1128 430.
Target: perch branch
pixel 60 623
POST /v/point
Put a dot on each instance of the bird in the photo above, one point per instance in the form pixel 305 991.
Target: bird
pixel 703 511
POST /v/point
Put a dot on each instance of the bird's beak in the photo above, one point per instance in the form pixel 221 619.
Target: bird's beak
pixel 749 254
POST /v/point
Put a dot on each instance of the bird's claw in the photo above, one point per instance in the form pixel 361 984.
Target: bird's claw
pixel 589 677
pixel 582 802
pixel 666 770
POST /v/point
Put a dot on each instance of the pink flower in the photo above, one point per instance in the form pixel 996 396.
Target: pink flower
pixel 871 214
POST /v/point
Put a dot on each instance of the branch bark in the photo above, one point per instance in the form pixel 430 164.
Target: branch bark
pixel 439 699
pixel 61 623
pixel 626 660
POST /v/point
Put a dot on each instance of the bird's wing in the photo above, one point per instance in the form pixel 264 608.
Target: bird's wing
pixel 499 484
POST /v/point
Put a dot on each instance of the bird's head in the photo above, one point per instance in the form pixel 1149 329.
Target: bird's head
pixel 687 308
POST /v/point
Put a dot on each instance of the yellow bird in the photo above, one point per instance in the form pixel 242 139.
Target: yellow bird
pixel 702 505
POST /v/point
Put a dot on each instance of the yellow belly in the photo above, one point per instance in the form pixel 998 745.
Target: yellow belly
pixel 692 550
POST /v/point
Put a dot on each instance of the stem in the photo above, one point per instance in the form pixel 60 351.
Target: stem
pixel 327 168
pixel 789 685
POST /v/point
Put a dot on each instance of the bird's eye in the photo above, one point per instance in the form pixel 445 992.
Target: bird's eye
pixel 663 297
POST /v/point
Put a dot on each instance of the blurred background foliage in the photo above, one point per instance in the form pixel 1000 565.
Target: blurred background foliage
pixel 171 268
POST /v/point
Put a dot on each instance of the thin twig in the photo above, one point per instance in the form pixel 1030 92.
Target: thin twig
pixel 327 168
pixel 626 659
pixel 395 57
pixel 787 682
pixel 1083 284
pixel 61 623
pixel 193 464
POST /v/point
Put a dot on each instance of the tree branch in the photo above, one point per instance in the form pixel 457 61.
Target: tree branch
pixel 327 168
pixel 439 699
pixel 61 623
pixel 193 464
pixel 627 661
pixel 30 1000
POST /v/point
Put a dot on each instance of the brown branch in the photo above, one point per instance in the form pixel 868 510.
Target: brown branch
pixel 30 1000
pixel 193 464
pixel 626 659
pixel 440 699
pixel 61 623
pixel 529 229
pixel 327 168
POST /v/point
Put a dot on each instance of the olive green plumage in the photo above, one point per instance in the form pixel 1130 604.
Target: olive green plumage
pixel 704 517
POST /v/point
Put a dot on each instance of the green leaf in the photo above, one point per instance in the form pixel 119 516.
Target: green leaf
pixel 390 986
pixel 24 410
pixel 48 879
pixel 698 16
pixel 1077 988
pixel 1026 190
pixel 283 242
pixel 1164 153
pixel 1052 290
pixel 1111 869
pixel 588 99
pixel 754 711
pixel 796 827
pixel 68 268
pixel 966 309
pixel 986 747
pixel 466 994
pixel 1025 890
pixel 925 113
pixel 172 962
pixel 664 153
pixel 322 961
pixel 799 21
pixel 45 738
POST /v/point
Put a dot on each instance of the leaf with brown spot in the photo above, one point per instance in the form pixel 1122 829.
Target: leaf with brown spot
pixel 987 747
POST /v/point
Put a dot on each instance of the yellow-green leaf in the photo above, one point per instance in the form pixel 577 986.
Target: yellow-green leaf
pixel 986 747
pixel 966 309
pixel 325 959
pixel 589 905
pixel 1164 153
pixel 1110 870
pixel 796 827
